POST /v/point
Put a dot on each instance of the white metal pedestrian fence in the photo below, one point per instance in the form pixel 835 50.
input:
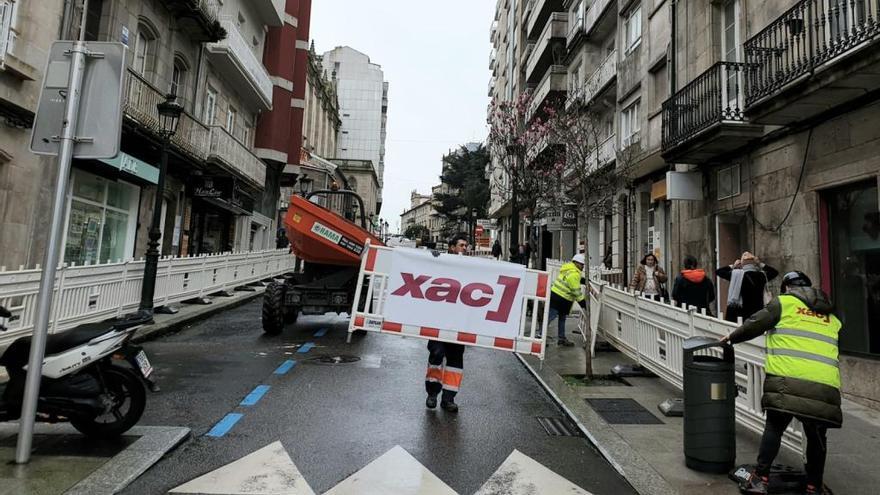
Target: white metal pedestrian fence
pixel 89 293
pixel 652 333
pixel 450 298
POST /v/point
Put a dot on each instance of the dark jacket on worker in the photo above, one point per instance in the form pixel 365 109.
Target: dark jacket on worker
pixel 802 398
pixel 752 291
pixel 693 287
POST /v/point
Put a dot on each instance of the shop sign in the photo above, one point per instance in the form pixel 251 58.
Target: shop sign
pixel 213 187
pixel 569 219
pixel 131 165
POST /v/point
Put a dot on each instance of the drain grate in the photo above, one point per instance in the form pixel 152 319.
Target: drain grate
pixel 623 412
pixel 559 427
pixel 339 359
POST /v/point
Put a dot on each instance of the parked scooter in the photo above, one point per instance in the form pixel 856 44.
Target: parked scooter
pixel 81 383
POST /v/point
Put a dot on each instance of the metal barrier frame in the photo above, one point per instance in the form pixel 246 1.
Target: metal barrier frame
pixel 369 315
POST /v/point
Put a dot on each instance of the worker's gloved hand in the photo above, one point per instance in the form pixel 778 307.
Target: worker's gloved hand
pixel 583 304
pixel 583 281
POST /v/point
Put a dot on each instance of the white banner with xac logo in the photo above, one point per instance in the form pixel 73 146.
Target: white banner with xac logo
pixel 451 292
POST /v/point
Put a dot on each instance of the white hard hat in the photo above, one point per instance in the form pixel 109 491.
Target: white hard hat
pixel 578 258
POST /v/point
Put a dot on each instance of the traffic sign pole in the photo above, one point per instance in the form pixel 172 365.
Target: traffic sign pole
pixel 50 260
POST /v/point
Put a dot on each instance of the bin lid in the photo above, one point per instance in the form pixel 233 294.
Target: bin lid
pixel 693 344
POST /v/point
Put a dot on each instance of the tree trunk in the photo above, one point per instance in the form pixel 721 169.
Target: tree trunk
pixel 514 224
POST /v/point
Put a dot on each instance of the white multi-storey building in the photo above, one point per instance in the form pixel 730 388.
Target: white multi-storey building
pixel 363 106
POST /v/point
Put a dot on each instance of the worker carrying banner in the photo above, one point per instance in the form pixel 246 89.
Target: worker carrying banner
pixel 451 298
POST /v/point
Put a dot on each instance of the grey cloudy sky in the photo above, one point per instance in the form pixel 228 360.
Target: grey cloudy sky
pixel 435 56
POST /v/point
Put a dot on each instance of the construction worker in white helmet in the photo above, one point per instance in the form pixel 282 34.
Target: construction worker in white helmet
pixel 565 292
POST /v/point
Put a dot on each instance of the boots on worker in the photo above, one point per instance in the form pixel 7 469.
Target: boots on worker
pixel 431 402
pixel 449 406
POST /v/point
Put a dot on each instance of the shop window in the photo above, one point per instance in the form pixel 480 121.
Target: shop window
pixel 852 241
pixel 102 220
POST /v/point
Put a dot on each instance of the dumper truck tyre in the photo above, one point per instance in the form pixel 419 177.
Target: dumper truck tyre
pixel 273 309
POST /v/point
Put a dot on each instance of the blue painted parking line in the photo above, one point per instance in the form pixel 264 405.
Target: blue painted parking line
pixel 285 367
pixel 255 395
pixel 224 425
pixel 306 347
pixel 320 333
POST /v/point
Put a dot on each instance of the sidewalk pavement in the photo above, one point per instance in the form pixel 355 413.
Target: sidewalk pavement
pixel 651 457
pixel 64 461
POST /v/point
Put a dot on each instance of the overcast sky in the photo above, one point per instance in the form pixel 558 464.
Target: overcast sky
pixel 436 60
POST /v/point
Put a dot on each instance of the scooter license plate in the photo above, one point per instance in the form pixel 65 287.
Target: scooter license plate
pixel 144 364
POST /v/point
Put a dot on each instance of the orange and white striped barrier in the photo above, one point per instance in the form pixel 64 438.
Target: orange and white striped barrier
pixel 450 298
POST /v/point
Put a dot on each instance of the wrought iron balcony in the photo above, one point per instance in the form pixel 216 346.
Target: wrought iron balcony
pixel 141 97
pixel 198 18
pixel 807 48
pixel 706 117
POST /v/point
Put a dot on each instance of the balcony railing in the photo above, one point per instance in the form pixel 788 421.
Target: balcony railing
pixel 803 38
pixel 141 98
pixel 715 96
pixel 246 68
pixel 594 12
pixel 198 18
pixel 598 80
pixel 556 28
pixel 553 80
pixel 235 156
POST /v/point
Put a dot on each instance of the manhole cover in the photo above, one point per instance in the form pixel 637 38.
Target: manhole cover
pixel 340 359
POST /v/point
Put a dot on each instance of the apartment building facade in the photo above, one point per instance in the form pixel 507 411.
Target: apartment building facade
pixel 219 195
pixel 776 114
pixel 363 105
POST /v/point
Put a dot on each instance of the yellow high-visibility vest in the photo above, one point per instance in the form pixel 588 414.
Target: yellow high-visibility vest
pixel 804 344
pixel 568 283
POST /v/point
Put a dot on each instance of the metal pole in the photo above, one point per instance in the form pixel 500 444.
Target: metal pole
pixel 50 259
pixel 151 265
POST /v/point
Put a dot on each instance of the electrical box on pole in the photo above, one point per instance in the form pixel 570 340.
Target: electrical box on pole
pixel 99 117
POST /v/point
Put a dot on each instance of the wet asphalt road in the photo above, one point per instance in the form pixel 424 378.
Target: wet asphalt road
pixel 334 419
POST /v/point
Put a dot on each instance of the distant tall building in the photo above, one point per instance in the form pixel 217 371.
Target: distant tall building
pixel 363 107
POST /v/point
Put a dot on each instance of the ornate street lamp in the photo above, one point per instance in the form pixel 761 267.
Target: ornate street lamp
pixel 169 117
pixel 305 185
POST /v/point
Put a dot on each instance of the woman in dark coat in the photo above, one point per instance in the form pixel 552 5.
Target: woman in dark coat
pixel 748 277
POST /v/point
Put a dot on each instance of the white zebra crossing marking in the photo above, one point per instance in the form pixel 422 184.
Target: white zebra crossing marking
pixel 519 474
pixel 266 471
pixel 395 472
pixel 270 471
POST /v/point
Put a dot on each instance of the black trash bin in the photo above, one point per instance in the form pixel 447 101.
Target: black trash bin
pixel 709 407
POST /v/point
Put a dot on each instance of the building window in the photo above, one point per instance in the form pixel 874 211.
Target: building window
pixel 7 35
pixel 231 117
pixel 630 124
pixel 178 79
pixel 102 220
pixel 574 78
pixel 729 182
pixel 93 20
pixel 576 15
pixel 632 29
pixel 210 106
pixel 850 231
pixel 145 51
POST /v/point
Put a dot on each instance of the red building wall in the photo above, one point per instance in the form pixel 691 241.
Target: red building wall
pixel 285 57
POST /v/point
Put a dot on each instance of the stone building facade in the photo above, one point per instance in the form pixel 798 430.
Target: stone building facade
pixel 752 128
pixel 219 194
pixel 788 157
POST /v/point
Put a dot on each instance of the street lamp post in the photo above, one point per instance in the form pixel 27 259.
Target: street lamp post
pixel 169 117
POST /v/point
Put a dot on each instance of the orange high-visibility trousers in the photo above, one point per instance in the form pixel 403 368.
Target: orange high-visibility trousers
pixel 445 364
